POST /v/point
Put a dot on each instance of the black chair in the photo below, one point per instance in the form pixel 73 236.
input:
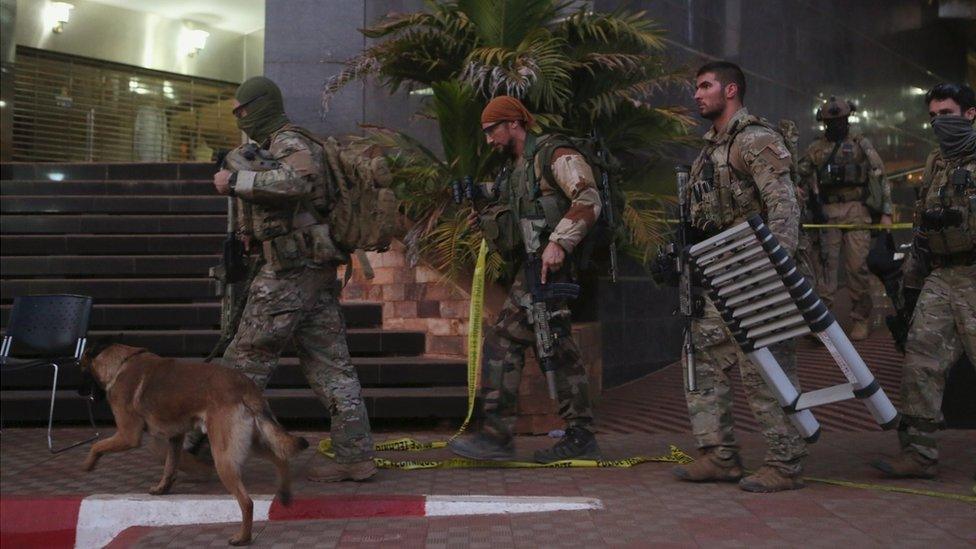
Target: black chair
pixel 51 330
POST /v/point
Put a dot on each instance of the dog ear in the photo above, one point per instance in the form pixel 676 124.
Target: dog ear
pixel 98 344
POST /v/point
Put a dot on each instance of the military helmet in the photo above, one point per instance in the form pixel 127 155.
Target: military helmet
pixel 835 108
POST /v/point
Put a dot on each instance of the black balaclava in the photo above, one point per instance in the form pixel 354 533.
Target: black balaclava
pixel 955 134
pixel 837 129
pixel 265 109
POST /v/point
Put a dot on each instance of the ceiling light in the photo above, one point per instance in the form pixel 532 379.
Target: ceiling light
pixel 57 15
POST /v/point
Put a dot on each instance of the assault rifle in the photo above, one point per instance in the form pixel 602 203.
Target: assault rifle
pixel 543 297
pixel 672 267
pixel 234 273
pixel 885 262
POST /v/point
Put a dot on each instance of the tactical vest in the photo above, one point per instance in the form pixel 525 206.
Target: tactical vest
pixel 947 216
pixel 520 197
pixel 289 233
pixel 720 197
pixel 847 173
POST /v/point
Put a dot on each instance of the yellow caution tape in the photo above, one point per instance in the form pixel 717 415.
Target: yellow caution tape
pixel 674 455
pixel 475 316
pixel 858 226
pixel 896 489
pixel 842 226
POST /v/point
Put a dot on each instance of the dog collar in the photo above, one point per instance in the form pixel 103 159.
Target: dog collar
pixel 108 386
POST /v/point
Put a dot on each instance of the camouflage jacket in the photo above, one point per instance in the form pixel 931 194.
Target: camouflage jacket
pixel 855 151
pixel 742 171
pixel 275 199
pixel 938 191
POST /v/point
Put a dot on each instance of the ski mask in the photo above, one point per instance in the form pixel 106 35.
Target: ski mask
pixel 955 134
pixel 837 129
pixel 265 108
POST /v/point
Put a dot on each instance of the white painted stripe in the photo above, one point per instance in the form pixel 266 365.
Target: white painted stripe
pixel 493 505
pixel 102 517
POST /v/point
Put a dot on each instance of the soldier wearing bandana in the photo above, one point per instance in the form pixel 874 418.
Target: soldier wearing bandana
pixel 545 178
pixel 940 277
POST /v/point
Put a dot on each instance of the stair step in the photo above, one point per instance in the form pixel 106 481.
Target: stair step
pixel 407 402
pixel 114 289
pixel 112 224
pixel 113 204
pixel 198 343
pixel 109 265
pixel 90 171
pixel 110 244
pixel 384 371
pixel 106 188
pixel 358 314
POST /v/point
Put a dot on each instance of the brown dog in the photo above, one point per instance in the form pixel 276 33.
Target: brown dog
pixel 167 398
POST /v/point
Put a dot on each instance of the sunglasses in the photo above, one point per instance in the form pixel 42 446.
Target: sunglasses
pixel 238 110
pixel 490 129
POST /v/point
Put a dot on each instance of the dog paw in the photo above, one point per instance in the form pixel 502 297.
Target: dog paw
pixel 159 490
pixel 89 465
pixel 239 540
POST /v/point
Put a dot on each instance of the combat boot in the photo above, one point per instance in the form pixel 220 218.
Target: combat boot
pixel 907 465
pixel 860 330
pixel 333 471
pixel 482 446
pixel 770 479
pixel 709 468
pixel 577 443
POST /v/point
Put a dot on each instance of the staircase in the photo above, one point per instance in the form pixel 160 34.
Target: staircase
pixel 139 239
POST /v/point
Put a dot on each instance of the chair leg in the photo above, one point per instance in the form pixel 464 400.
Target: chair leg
pixel 50 419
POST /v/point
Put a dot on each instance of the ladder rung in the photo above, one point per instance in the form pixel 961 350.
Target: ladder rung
pixel 827 395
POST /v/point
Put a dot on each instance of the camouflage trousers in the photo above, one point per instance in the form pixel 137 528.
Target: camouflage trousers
pixel 943 326
pixel 503 357
pixel 302 305
pixel 710 406
pixel 856 245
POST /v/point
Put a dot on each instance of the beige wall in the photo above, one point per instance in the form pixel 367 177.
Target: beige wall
pixel 141 39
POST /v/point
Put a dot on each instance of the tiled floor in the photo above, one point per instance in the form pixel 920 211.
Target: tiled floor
pixel 643 505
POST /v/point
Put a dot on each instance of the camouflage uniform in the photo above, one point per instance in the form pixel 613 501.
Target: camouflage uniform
pixel 944 322
pixel 569 187
pixel 844 202
pixel 295 296
pixel 751 175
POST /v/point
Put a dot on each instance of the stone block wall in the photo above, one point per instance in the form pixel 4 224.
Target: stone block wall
pixel 414 298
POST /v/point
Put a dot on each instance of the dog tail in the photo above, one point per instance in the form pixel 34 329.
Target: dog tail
pixel 272 434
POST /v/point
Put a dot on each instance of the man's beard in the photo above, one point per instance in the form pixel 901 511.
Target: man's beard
pixel 714 112
pixel 509 148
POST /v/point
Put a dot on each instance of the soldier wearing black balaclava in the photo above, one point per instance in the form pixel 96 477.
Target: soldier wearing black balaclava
pixel 848 173
pixel 295 295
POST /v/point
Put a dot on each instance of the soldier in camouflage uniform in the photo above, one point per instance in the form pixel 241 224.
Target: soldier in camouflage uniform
pixel 743 170
pixel 942 271
pixel 569 200
pixel 295 295
pixel 849 175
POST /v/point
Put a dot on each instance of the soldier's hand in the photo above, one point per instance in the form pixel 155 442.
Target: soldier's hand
pixel 473 221
pixel 886 219
pixel 552 260
pixel 221 181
